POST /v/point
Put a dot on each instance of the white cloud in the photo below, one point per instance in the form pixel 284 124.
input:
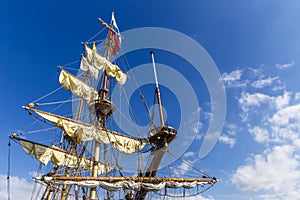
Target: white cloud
pixel 193 122
pixel 280 125
pixel 263 82
pixel 189 158
pixel 285 66
pixel 255 71
pixel 274 121
pixel 231 128
pixel 297 96
pixel 278 85
pixel 256 99
pixel 262 103
pixel 189 154
pixel 233 78
pixel 275 170
pixel 191 128
pixel 260 135
pixel 282 101
pixel 20 188
pixel 182 169
pixel 227 140
pixel 286 116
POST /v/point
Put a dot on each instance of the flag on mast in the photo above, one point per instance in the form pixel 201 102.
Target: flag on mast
pixel 115 35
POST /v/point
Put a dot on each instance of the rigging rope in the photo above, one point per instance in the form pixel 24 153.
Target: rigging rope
pixel 135 82
pixel 129 122
pixel 47 94
pixel 189 164
pixel 57 102
pixel 131 111
pixel 8 171
pixel 36 183
pixel 71 63
pixel 96 34
pixel 184 194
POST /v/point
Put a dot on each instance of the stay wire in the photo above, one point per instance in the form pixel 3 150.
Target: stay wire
pixel 189 164
pixel 57 102
pixel 133 115
pixel 139 89
pixel 96 34
pixel 47 94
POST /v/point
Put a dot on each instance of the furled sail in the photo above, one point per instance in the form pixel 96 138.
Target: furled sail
pixel 132 183
pixel 102 64
pixel 59 157
pixel 86 132
pixel 136 186
pixel 77 87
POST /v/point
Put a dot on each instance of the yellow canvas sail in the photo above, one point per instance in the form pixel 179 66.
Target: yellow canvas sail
pixel 59 157
pixel 102 64
pixel 86 132
pixel 77 87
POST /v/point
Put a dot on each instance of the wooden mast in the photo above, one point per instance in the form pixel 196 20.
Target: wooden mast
pixel 159 153
pixel 162 122
pixel 100 106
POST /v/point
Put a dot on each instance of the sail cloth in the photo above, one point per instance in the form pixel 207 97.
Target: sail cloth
pixel 86 132
pixel 132 185
pixel 101 63
pixel 77 87
pixel 45 154
pixel 85 66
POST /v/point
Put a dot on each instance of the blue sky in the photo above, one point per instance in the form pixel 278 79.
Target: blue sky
pixel 254 44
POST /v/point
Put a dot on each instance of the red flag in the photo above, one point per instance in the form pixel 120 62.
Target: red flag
pixel 115 35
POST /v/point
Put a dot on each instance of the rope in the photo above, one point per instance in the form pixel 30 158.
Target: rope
pixel 40 130
pixel 71 63
pixel 184 195
pixel 43 122
pixel 189 164
pixel 133 115
pixel 35 183
pixel 185 170
pixel 129 122
pixel 57 102
pixel 126 63
pixel 47 95
pixel 8 171
pixel 96 34
pixel 139 89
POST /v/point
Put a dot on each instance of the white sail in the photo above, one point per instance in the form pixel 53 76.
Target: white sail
pixel 102 64
pixel 86 132
pixel 77 87
pixel 85 66
pixel 58 157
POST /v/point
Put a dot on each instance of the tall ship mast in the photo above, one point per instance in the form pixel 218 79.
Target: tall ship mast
pixel 83 160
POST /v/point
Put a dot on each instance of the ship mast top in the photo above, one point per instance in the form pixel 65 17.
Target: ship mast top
pixel 162 121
